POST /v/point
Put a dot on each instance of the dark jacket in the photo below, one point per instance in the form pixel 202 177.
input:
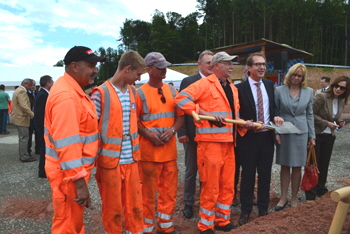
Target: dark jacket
pixel 188 128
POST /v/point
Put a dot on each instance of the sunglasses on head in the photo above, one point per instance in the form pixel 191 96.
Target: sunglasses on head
pixel 342 88
pixel 162 98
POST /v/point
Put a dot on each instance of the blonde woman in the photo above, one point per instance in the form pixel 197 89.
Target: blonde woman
pixel 294 102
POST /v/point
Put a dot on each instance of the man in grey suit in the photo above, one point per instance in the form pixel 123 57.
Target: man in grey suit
pixel 187 133
pixel 21 115
pixel 325 81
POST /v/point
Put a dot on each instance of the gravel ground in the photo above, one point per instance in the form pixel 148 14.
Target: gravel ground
pixel 25 199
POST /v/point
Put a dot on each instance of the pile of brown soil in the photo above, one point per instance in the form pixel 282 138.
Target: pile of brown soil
pixel 308 217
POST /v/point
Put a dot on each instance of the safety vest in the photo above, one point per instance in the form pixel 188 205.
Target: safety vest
pixel 157 117
pixel 208 94
pixel 111 127
pixel 70 133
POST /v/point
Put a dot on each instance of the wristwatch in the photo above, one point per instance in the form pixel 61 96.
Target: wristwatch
pixel 174 131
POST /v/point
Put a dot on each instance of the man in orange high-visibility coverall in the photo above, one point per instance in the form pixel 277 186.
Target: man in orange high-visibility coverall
pixel 214 96
pixel 159 119
pixel 71 139
pixel 117 172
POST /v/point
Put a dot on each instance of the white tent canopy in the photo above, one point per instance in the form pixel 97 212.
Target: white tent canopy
pixel 171 76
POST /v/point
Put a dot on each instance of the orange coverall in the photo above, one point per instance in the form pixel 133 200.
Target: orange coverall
pixel 71 146
pixel 216 159
pixel 119 185
pixel 158 168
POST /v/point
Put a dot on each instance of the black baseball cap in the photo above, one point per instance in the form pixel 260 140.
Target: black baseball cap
pixel 78 53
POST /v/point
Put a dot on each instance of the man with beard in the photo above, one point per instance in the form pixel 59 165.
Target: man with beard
pixel 159 120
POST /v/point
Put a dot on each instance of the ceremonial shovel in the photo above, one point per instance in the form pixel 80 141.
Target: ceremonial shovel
pixel 285 128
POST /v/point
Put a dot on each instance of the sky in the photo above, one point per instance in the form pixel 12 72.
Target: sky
pixel 40 32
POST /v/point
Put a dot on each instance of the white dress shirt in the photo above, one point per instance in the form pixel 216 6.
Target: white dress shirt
pixel 264 96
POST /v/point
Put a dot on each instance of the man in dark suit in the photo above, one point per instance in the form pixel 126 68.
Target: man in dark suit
pixel 187 133
pixel 46 83
pixel 256 148
pixel 32 95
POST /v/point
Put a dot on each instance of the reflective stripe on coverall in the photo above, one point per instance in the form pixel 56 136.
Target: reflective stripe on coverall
pixel 161 177
pixel 71 147
pixel 216 168
pixel 119 185
pixel 158 168
pixel 215 152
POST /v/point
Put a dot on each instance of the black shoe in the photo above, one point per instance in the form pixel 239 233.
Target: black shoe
pixel 31 159
pixel 235 202
pixel 226 228
pixel 278 208
pixel 188 213
pixel 208 231
pixel 263 213
pixel 243 219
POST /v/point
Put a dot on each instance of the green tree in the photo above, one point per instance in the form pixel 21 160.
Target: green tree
pixel 135 35
pixel 59 64
pixel 160 33
pixel 109 67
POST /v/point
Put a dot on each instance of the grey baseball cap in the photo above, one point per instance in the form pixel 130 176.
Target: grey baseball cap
pixel 222 56
pixel 156 59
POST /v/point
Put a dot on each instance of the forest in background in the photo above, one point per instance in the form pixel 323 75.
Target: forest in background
pixel 319 27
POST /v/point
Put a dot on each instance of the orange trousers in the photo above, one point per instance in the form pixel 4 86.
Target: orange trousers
pixel 120 190
pixel 216 167
pixel 68 215
pixel 161 177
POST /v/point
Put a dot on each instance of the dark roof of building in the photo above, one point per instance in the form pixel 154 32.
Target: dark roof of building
pixel 271 50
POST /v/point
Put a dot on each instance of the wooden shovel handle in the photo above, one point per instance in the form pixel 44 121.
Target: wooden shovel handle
pixel 241 122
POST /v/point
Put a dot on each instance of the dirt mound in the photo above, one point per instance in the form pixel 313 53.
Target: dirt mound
pixel 308 217
pixel 21 207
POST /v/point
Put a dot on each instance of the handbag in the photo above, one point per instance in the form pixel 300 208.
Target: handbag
pixel 310 177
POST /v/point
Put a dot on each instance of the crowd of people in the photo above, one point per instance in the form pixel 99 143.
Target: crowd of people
pixel 129 135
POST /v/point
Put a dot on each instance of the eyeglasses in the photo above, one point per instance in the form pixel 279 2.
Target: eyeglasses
pixel 162 98
pixel 260 64
pixel 227 63
pixel 342 88
pixel 296 75
pixel 208 63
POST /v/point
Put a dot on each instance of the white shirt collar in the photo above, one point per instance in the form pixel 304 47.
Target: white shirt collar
pixel 45 90
pixel 23 88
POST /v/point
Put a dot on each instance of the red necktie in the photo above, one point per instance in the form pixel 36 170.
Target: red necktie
pixel 260 103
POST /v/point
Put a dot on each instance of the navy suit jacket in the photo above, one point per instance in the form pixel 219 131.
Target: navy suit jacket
pixel 188 128
pixel 247 105
pixel 39 110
